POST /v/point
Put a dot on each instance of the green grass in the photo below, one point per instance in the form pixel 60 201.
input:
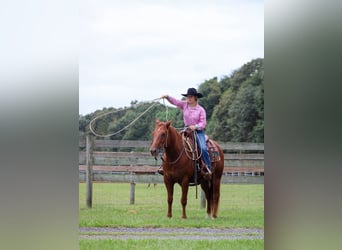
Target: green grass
pixel 171 244
pixel 241 206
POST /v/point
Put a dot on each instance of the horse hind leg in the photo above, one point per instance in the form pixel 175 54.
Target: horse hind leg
pixel 206 190
pixel 215 196
pixel 215 205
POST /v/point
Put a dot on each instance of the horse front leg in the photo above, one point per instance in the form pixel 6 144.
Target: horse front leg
pixel 184 199
pixel 169 188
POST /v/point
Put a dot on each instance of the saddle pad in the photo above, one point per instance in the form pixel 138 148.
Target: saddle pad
pixel 213 151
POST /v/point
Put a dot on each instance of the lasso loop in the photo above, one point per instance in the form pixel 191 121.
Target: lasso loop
pixel 130 124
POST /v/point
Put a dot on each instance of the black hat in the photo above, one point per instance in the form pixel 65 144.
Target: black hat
pixel 193 91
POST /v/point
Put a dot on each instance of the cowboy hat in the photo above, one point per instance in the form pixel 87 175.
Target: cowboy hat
pixel 193 91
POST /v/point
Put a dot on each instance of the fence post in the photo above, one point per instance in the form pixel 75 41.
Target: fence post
pixel 132 193
pixel 202 205
pixel 89 170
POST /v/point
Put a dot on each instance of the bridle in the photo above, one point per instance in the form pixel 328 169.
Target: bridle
pixel 164 146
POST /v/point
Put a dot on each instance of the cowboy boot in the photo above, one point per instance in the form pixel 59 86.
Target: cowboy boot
pixel 207 175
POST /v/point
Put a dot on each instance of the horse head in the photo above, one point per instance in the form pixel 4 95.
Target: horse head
pixel 159 137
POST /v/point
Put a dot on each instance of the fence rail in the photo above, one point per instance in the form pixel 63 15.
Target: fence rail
pixel 237 146
pixel 136 153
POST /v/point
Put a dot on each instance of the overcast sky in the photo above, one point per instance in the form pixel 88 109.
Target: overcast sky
pixel 140 50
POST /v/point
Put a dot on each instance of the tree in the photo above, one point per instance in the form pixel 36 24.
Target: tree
pixel 242 114
pixel 218 125
pixel 211 95
pixel 239 114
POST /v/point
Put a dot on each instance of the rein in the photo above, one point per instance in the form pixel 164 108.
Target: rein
pixel 165 146
pixel 173 162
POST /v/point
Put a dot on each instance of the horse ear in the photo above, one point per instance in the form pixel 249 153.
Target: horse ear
pixel 168 124
pixel 157 120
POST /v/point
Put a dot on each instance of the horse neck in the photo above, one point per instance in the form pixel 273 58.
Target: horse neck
pixel 174 143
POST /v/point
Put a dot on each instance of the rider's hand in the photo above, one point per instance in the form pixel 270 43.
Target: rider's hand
pixel 192 127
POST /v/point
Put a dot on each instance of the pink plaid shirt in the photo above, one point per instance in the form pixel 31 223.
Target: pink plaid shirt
pixel 191 115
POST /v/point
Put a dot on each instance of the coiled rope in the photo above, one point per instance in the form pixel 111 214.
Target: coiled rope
pixel 131 123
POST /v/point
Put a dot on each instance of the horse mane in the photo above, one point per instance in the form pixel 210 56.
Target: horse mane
pixel 173 134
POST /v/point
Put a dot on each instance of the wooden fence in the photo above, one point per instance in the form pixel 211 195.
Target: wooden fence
pixel 134 156
pixel 130 161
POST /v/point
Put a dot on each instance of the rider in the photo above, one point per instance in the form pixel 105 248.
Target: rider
pixel 194 116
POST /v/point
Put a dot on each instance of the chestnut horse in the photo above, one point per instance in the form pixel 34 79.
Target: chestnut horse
pixel 180 168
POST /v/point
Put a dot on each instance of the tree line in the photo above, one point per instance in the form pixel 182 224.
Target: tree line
pixel 234 106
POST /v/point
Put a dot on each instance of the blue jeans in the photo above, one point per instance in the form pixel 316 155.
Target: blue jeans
pixel 203 147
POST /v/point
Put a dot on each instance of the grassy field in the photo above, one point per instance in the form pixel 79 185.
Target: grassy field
pixel 155 244
pixel 241 206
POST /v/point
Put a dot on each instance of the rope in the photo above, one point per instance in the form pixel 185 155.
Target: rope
pixel 130 124
pixel 191 149
pixel 167 110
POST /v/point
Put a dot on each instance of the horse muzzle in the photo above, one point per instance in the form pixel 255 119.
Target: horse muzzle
pixel 153 152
